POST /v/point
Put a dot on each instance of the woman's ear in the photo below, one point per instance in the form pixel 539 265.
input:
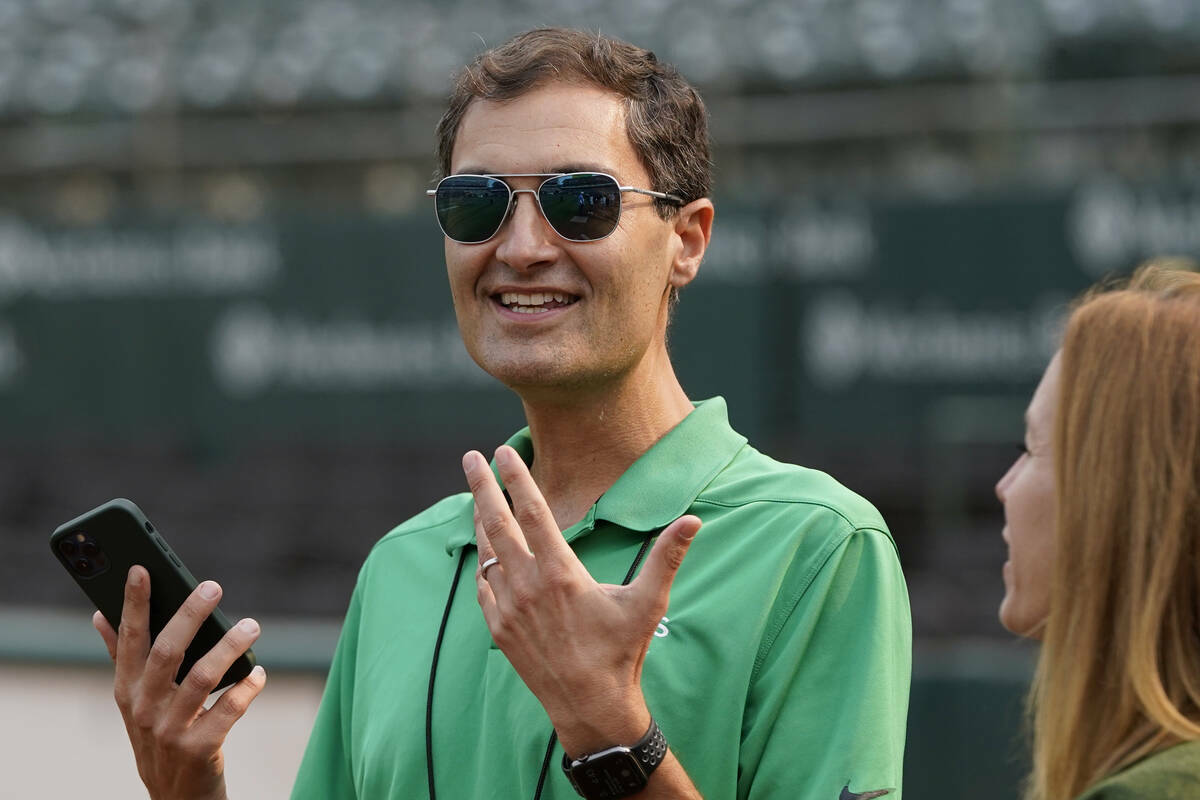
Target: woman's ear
pixel 693 226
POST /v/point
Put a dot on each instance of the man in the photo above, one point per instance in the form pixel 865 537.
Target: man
pixel 773 662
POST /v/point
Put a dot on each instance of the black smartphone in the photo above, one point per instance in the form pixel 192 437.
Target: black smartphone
pixel 99 547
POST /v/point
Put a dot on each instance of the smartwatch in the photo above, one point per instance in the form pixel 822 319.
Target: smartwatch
pixel 617 771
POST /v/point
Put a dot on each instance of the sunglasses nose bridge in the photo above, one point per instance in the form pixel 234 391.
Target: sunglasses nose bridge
pixel 513 202
pixel 528 230
pixel 535 197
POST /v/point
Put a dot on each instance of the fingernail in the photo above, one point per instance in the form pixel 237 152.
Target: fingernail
pixel 208 590
pixel 502 456
pixel 469 462
pixel 135 576
pixel 248 626
pixel 258 671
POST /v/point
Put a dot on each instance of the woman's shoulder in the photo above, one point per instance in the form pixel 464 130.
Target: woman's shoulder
pixel 1172 774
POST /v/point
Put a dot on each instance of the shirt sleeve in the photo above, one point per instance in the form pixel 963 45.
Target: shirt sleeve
pixel 828 703
pixel 325 772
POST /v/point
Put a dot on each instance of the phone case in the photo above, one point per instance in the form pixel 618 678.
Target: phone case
pixel 99 547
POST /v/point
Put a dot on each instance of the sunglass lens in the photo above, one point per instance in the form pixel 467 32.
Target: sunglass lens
pixel 583 206
pixel 471 208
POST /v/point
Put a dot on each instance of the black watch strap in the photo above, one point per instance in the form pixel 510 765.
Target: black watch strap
pixel 649 752
pixel 651 749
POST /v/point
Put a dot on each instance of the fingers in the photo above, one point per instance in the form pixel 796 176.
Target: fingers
pixel 499 530
pixel 133 634
pixel 176 742
pixel 486 551
pixel 486 595
pixel 207 672
pixel 166 654
pixel 106 633
pixel 214 725
pixel 653 583
pixel 483 589
pixel 528 506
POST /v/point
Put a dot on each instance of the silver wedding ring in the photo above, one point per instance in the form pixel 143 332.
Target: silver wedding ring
pixel 483 568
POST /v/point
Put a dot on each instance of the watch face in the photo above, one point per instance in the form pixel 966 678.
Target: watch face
pixel 609 775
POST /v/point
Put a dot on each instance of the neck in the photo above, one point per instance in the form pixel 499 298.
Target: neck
pixel 584 439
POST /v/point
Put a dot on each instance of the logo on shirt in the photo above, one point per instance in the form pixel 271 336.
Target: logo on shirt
pixel 849 795
pixel 661 631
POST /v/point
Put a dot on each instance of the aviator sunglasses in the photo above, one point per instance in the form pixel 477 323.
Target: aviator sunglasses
pixel 580 206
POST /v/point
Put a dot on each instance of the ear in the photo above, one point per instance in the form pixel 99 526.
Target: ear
pixel 693 227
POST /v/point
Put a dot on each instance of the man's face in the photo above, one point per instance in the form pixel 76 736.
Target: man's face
pixel 605 301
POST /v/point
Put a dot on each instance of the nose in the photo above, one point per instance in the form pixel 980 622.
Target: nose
pixel 526 240
pixel 1004 482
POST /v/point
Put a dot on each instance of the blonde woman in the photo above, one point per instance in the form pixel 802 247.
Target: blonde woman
pixel 1102 520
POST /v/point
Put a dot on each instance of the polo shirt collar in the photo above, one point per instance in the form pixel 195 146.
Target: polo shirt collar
pixel 661 485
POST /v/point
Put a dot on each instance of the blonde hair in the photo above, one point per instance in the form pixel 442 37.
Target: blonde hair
pixel 1118 677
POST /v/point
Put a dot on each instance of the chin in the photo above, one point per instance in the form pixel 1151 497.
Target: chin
pixel 512 368
pixel 1022 625
pixel 1005 622
pixel 522 369
pixel 525 376
pixel 1009 618
pixel 550 370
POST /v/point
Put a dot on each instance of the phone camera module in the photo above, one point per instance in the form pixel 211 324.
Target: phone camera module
pixel 84 554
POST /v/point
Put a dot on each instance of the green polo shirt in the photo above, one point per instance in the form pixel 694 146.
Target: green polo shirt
pixel 781 669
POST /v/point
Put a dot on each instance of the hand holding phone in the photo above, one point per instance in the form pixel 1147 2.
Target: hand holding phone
pixel 99 548
pixel 176 740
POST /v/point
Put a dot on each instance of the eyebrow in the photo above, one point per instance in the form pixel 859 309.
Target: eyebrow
pixel 583 167
pixel 475 169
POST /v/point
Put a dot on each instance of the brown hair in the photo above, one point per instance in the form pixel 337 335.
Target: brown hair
pixel 664 116
pixel 1118 677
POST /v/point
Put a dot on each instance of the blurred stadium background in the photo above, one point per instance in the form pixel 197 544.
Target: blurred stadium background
pixel 222 295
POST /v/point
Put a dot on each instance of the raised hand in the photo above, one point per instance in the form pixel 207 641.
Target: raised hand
pixel 176 741
pixel 579 645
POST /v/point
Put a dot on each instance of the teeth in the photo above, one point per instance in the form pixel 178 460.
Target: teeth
pixel 518 302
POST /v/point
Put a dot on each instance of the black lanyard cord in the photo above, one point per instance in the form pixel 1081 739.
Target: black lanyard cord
pixel 437 649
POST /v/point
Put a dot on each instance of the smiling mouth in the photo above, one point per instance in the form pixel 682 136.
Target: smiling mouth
pixel 534 302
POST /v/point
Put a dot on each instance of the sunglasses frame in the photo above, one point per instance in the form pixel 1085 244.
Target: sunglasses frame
pixel 547 177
